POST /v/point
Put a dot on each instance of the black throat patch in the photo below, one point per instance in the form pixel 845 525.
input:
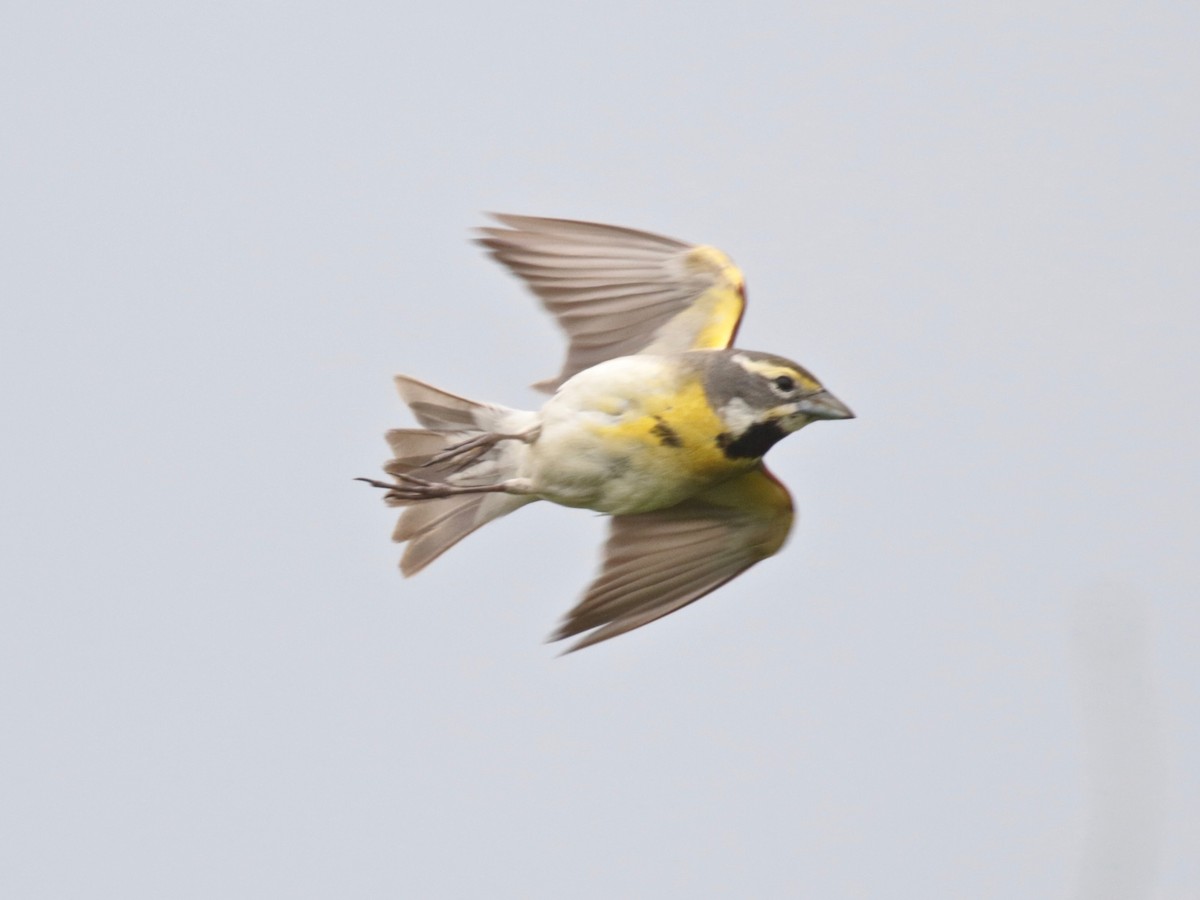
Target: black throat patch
pixel 754 442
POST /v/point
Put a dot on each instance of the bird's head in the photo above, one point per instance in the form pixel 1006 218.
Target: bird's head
pixel 761 398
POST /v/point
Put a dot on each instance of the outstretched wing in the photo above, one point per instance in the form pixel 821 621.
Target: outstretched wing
pixel 658 562
pixel 618 292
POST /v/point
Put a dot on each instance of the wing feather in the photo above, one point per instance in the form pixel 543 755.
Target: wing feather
pixel 658 562
pixel 585 232
pixel 617 291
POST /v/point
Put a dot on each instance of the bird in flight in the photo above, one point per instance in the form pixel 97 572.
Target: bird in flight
pixel 655 419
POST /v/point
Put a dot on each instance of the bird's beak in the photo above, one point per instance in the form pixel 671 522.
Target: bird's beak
pixel 823 405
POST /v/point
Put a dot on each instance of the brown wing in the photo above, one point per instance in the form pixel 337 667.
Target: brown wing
pixel 658 562
pixel 618 292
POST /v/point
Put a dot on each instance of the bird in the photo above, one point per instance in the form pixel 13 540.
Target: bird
pixel 655 420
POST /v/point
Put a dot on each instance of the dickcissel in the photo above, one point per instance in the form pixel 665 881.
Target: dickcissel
pixel 655 420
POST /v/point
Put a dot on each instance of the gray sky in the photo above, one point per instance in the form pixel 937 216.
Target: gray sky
pixel 972 672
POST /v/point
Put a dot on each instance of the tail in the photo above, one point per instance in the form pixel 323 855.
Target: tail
pixel 433 526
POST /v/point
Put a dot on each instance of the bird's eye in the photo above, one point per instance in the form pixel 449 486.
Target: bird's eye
pixel 785 383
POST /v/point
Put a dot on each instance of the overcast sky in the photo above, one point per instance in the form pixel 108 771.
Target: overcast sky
pixel 973 671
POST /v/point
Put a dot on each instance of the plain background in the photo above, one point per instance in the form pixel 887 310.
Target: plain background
pixel 973 671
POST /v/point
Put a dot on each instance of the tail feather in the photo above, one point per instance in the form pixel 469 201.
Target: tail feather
pixel 434 526
pixel 415 445
pixel 431 527
pixel 440 410
pixel 413 449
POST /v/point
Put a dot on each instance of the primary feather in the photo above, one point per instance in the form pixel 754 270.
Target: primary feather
pixel 616 291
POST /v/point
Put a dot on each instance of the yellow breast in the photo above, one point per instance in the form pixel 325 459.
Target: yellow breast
pixel 674 433
pixel 629 435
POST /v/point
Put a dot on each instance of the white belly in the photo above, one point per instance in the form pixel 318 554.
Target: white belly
pixel 576 461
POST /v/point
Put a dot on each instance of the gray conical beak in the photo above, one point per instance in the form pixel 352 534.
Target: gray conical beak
pixel 823 405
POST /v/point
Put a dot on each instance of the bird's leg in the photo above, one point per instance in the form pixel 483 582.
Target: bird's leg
pixel 481 443
pixel 409 488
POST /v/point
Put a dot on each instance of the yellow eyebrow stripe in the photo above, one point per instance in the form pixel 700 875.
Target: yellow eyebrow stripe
pixel 771 370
